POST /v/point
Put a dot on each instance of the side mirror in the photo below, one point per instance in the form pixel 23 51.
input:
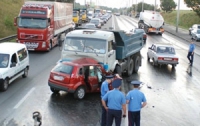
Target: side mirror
pixel 15 21
pixel 13 64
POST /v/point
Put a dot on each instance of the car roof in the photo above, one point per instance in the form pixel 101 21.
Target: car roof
pixel 82 62
pixel 10 47
pixel 163 44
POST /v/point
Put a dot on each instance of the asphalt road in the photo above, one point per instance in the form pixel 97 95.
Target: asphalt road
pixel 172 94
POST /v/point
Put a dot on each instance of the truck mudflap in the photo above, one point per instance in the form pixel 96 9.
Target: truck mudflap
pixel 127 44
pixel 154 30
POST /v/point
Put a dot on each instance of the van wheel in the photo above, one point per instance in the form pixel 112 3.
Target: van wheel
pixel 79 93
pixel 136 64
pixel 54 90
pixel 25 73
pixel 130 68
pixel 4 85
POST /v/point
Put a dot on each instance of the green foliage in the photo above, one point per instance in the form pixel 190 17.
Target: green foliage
pixel 8 21
pixel 167 5
pixel 194 4
pixel 145 7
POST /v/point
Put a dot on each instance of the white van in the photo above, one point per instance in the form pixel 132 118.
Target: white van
pixel 14 62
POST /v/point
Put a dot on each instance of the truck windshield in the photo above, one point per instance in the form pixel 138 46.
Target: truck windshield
pixel 26 22
pixel 74 14
pixel 87 45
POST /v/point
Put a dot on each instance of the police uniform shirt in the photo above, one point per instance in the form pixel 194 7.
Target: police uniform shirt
pixel 115 99
pixel 104 88
pixel 135 98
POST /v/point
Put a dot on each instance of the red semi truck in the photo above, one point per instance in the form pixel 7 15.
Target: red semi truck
pixel 40 25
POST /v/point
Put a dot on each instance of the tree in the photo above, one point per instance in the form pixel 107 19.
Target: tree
pixel 167 5
pixel 194 4
pixel 145 7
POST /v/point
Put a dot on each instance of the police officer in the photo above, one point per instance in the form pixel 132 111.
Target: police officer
pixel 104 90
pixel 116 101
pixel 135 100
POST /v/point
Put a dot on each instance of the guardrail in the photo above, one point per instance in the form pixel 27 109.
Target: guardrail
pixel 8 38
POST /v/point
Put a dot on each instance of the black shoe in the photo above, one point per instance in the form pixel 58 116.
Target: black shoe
pixel 190 64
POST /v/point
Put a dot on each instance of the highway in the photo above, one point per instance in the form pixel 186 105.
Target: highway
pixel 172 94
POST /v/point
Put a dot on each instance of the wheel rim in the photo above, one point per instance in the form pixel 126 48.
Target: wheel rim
pixel 130 67
pixel 81 93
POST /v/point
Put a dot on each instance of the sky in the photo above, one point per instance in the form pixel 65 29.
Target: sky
pixel 125 3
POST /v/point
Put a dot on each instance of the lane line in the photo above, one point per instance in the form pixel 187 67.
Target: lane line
pixel 24 98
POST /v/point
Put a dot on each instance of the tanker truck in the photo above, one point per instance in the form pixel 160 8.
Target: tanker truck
pixel 151 22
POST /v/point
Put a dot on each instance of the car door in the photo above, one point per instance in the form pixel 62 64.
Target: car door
pixel 150 51
pixel 13 66
pixel 93 79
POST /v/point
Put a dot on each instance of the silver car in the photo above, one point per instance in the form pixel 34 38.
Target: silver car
pixel 195 34
pixel 162 54
pixel 194 26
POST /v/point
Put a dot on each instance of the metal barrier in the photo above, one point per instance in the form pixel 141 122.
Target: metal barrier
pixel 8 38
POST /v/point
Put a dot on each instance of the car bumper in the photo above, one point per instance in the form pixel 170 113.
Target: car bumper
pixel 59 87
pixel 167 62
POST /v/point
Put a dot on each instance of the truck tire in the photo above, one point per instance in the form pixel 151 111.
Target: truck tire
pixel 54 90
pixel 79 93
pixel 25 72
pixel 136 64
pixel 4 85
pixel 148 58
pixel 130 67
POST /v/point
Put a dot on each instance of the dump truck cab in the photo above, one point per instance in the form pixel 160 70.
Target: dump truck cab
pixel 77 17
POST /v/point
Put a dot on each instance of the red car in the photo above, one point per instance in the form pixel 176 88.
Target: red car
pixel 80 76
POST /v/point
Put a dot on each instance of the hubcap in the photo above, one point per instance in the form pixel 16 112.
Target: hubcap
pixel 81 93
pixel 5 84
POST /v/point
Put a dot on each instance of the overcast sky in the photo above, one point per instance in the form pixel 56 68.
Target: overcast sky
pixel 124 3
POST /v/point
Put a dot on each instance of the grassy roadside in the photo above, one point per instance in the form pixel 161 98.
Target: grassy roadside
pixel 8 10
pixel 186 18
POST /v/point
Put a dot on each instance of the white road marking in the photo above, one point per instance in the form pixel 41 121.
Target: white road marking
pixel 24 98
pixel 113 23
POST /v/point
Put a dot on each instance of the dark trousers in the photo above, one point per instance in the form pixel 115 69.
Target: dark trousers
pixel 103 116
pixel 134 118
pixel 190 57
pixel 114 114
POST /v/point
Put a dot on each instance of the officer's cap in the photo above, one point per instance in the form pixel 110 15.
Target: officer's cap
pixel 136 82
pixel 109 76
pixel 116 83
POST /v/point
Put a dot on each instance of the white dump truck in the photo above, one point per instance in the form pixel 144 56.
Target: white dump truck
pixel 151 21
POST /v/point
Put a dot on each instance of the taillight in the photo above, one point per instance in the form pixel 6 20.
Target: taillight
pixel 175 59
pixel 160 58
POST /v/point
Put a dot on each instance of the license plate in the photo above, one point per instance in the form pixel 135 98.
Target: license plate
pixel 58 78
pixel 31 45
pixel 167 58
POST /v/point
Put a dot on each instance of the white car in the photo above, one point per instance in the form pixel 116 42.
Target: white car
pixel 14 62
pixel 162 54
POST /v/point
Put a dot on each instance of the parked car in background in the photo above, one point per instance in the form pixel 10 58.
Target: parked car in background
pixel 96 21
pixel 117 14
pixel 137 15
pixel 194 26
pixel 162 54
pixel 90 26
pixel 138 30
pixel 195 34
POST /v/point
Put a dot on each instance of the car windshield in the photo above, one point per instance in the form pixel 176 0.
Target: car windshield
pixel 90 26
pixel 89 14
pixel 87 45
pixel 167 50
pixel 4 60
pixel 63 68
pixel 74 14
pixel 26 22
pixel 94 21
pixel 139 30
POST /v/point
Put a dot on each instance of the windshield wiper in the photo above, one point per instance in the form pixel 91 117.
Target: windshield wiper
pixel 92 49
pixel 74 49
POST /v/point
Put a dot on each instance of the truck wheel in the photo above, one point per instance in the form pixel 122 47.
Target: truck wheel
pixel 4 85
pixel 54 90
pixel 130 68
pixel 136 64
pixel 25 72
pixel 148 58
pixel 79 93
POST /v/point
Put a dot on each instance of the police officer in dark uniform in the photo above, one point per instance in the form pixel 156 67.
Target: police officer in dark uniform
pixel 104 90
pixel 116 102
pixel 135 100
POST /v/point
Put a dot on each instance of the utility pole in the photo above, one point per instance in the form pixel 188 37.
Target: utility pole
pixel 155 6
pixel 136 8
pixel 177 18
pixel 142 5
